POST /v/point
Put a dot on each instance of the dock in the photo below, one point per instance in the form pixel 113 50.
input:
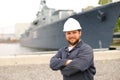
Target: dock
pixel 44 57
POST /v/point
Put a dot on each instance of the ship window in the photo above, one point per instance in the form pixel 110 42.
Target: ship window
pixel 44 18
pixel 101 16
pixel 35 22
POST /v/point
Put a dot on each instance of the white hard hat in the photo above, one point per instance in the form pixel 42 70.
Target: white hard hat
pixel 71 24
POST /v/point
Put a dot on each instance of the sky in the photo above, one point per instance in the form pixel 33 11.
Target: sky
pixel 24 11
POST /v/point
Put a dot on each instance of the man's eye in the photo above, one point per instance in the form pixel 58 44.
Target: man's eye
pixel 68 33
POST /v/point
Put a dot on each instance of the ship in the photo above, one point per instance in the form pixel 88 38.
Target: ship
pixel 46 31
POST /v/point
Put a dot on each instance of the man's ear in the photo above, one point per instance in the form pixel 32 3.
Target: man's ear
pixel 80 33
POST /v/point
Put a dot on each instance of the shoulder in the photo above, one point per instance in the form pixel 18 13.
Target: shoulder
pixel 62 49
pixel 85 46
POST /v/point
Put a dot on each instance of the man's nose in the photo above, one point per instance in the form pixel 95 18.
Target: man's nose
pixel 71 35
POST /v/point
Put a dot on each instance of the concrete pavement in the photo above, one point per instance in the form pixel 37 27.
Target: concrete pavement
pixel 45 58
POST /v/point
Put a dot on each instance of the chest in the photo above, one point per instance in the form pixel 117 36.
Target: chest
pixel 70 54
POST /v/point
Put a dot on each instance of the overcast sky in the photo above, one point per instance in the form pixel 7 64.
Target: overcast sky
pixel 19 11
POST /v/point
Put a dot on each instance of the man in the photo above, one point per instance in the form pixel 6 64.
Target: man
pixel 76 61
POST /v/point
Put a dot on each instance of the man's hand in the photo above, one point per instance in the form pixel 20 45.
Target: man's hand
pixel 68 62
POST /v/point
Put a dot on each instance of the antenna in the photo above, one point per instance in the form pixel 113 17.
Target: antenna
pixel 42 4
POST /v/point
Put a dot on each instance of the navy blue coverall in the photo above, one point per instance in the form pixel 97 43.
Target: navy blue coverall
pixel 82 65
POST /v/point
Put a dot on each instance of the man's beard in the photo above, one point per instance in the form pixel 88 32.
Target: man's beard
pixel 73 43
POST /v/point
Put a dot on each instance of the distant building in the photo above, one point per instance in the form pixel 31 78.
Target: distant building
pixel 7 38
pixel 116 37
pixel 115 0
pixel 20 29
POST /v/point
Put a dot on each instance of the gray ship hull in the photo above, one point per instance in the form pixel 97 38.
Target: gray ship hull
pixel 98 26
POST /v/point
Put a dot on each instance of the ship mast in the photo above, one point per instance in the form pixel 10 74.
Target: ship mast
pixel 42 5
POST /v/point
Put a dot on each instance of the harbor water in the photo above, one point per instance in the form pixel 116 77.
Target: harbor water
pixel 8 49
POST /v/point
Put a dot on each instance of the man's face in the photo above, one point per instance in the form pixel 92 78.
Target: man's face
pixel 73 37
